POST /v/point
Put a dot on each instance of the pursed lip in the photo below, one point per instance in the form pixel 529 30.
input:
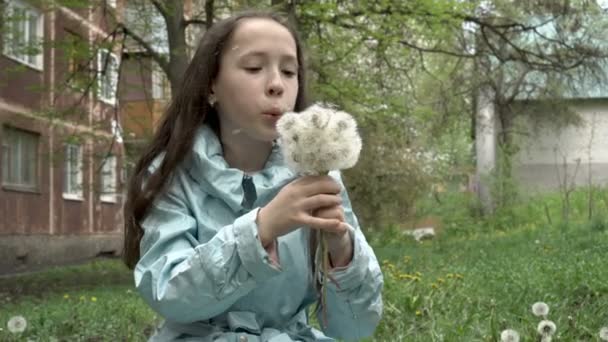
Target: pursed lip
pixel 273 112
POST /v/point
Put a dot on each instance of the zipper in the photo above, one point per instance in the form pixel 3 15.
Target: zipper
pixel 249 193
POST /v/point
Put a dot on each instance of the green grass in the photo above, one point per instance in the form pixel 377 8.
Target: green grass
pixel 455 289
pixel 91 302
pixel 478 277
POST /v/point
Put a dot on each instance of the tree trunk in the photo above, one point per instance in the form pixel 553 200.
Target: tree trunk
pixel 485 147
pixel 176 34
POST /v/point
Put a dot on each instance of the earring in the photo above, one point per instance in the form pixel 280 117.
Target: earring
pixel 212 100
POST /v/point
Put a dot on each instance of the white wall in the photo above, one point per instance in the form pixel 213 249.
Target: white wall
pixel 540 162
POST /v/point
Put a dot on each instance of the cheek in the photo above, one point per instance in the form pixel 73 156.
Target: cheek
pixel 293 93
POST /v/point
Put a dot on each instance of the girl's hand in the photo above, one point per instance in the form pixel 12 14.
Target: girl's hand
pixel 339 244
pixel 295 205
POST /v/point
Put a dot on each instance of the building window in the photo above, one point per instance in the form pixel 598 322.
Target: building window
pixel 116 129
pixel 107 76
pixel 108 179
pixel 23 34
pixel 160 84
pixel 76 52
pixel 72 186
pixel 20 159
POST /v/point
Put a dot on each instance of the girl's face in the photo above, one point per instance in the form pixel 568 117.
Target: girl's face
pixel 257 81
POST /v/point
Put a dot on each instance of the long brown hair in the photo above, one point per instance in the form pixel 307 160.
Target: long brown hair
pixel 186 112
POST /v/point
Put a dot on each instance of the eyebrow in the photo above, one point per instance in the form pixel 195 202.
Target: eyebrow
pixel 288 57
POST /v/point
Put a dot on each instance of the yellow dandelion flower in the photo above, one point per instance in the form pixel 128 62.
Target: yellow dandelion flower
pixel 93 299
pixel 440 280
pixel 66 296
pixel 418 313
pixel 435 286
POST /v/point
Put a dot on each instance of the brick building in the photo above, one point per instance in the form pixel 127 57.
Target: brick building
pixel 61 157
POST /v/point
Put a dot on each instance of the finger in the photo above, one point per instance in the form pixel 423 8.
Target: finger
pixel 321 201
pixel 323 185
pixel 303 180
pixel 334 212
pixel 329 225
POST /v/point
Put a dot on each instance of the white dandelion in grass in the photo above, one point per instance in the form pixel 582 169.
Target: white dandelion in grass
pixel 540 309
pixel 604 334
pixel 509 335
pixel 546 328
pixel 16 324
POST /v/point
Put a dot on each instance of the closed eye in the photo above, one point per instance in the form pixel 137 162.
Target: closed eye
pixel 289 73
pixel 253 70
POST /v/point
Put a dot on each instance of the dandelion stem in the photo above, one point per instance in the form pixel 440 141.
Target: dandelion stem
pixel 325 268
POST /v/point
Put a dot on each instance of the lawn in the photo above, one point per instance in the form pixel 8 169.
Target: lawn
pixel 472 289
pixel 457 287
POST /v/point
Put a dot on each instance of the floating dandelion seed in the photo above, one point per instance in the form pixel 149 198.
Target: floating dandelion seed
pixel 546 328
pixel 540 309
pixel 509 335
pixel 16 324
pixel 604 334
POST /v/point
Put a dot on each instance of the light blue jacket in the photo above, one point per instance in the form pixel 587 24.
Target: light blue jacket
pixel 203 269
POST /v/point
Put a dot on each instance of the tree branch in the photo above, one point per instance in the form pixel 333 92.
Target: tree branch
pixel 437 50
pixel 159 58
pixel 195 22
pixel 160 7
pixel 209 10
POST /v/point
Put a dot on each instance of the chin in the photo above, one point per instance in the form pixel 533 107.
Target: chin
pixel 269 135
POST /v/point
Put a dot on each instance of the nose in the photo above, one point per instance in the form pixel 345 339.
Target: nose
pixel 275 86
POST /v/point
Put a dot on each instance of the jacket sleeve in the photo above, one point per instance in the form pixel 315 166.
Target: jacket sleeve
pixel 354 307
pixel 186 280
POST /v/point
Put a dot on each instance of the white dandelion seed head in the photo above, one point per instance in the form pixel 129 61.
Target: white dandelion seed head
pixel 509 335
pixel 546 328
pixel 318 140
pixel 604 334
pixel 16 324
pixel 540 309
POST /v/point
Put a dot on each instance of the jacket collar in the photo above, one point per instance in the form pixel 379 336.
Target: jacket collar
pixel 207 167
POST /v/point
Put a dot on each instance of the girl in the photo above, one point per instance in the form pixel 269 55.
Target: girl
pixel 218 229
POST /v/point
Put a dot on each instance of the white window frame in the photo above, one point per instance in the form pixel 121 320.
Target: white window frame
pixel 72 170
pixel 29 39
pixel 75 41
pixel 160 86
pixel 15 155
pixel 107 92
pixel 109 179
pixel 116 129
